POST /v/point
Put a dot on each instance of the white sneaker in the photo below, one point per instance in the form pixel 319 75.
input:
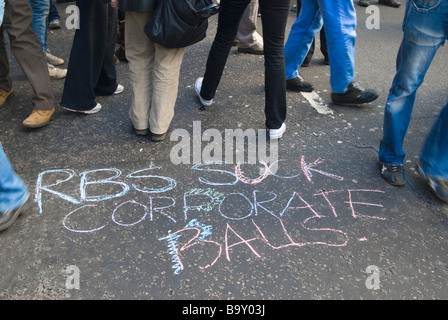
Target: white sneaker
pixel 197 88
pixel 119 89
pixel 277 133
pixel 52 59
pixel 95 109
pixel 56 73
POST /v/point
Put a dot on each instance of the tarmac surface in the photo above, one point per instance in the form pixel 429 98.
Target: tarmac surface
pixel 114 217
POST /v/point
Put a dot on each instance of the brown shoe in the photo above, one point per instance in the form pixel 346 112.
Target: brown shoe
pixel 364 3
pixel 255 49
pixel 38 118
pixel 5 96
pixel 56 73
pixel 158 137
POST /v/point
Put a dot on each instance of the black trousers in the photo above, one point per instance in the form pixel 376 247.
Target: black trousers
pixel 91 69
pixel 274 14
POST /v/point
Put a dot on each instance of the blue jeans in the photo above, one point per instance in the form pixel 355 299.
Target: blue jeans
pixel 13 192
pixel 54 14
pixel 41 9
pixel 339 18
pixel 425 29
pixel 2 10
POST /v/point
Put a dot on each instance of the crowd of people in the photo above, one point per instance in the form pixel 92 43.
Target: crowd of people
pixel 154 70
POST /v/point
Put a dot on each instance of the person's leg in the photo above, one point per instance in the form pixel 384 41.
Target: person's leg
pixel 41 9
pixel 323 45
pixel 13 192
pixel 301 36
pixel 54 19
pixel 120 52
pixel 2 10
pixel 5 78
pixel 165 88
pixel 274 14
pixel 86 56
pixel 107 80
pixel 249 39
pixel 339 19
pixel 421 40
pixel 54 14
pixel 27 49
pixel 434 155
pixel 140 52
pixel 228 22
pixel 154 75
pixel 310 53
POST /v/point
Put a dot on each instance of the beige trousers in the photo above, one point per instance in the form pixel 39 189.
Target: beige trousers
pixel 247 29
pixel 154 75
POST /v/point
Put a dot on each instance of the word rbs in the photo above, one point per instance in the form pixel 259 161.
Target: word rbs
pixel 111 180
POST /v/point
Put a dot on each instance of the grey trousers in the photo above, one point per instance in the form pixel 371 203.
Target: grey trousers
pixel 154 75
pixel 27 50
pixel 247 29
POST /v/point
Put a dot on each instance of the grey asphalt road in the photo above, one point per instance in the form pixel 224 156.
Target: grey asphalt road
pixel 114 217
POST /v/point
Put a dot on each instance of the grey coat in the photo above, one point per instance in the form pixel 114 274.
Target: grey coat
pixel 138 5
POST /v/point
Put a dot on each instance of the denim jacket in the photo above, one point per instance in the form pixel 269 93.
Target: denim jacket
pixel 138 5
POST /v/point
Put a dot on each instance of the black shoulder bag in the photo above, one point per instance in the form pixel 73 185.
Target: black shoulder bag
pixel 180 23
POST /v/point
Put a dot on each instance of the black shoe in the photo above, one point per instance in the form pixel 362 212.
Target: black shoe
pixel 355 94
pixel 438 186
pixel 393 174
pixel 297 84
pixel 390 3
pixel 8 217
pixel 141 132
pixel 158 137
pixel 364 3
pixel 256 49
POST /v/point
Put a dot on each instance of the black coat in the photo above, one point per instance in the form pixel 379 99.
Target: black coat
pixel 138 5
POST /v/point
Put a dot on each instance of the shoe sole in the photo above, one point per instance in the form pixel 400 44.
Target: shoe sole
pixel 57 77
pixel 55 63
pixel 142 132
pixel 294 89
pixel 39 125
pixel 250 51
pixel 158 137
pixel 428 182
pixel 389 181
pixel 277 136
pixel 205 103
pixel 348 103
pixel 23 208
pixel 10 96
pixel 119 89
pixel 92 111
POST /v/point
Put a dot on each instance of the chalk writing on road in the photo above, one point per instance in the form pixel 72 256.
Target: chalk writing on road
pixel 277 208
